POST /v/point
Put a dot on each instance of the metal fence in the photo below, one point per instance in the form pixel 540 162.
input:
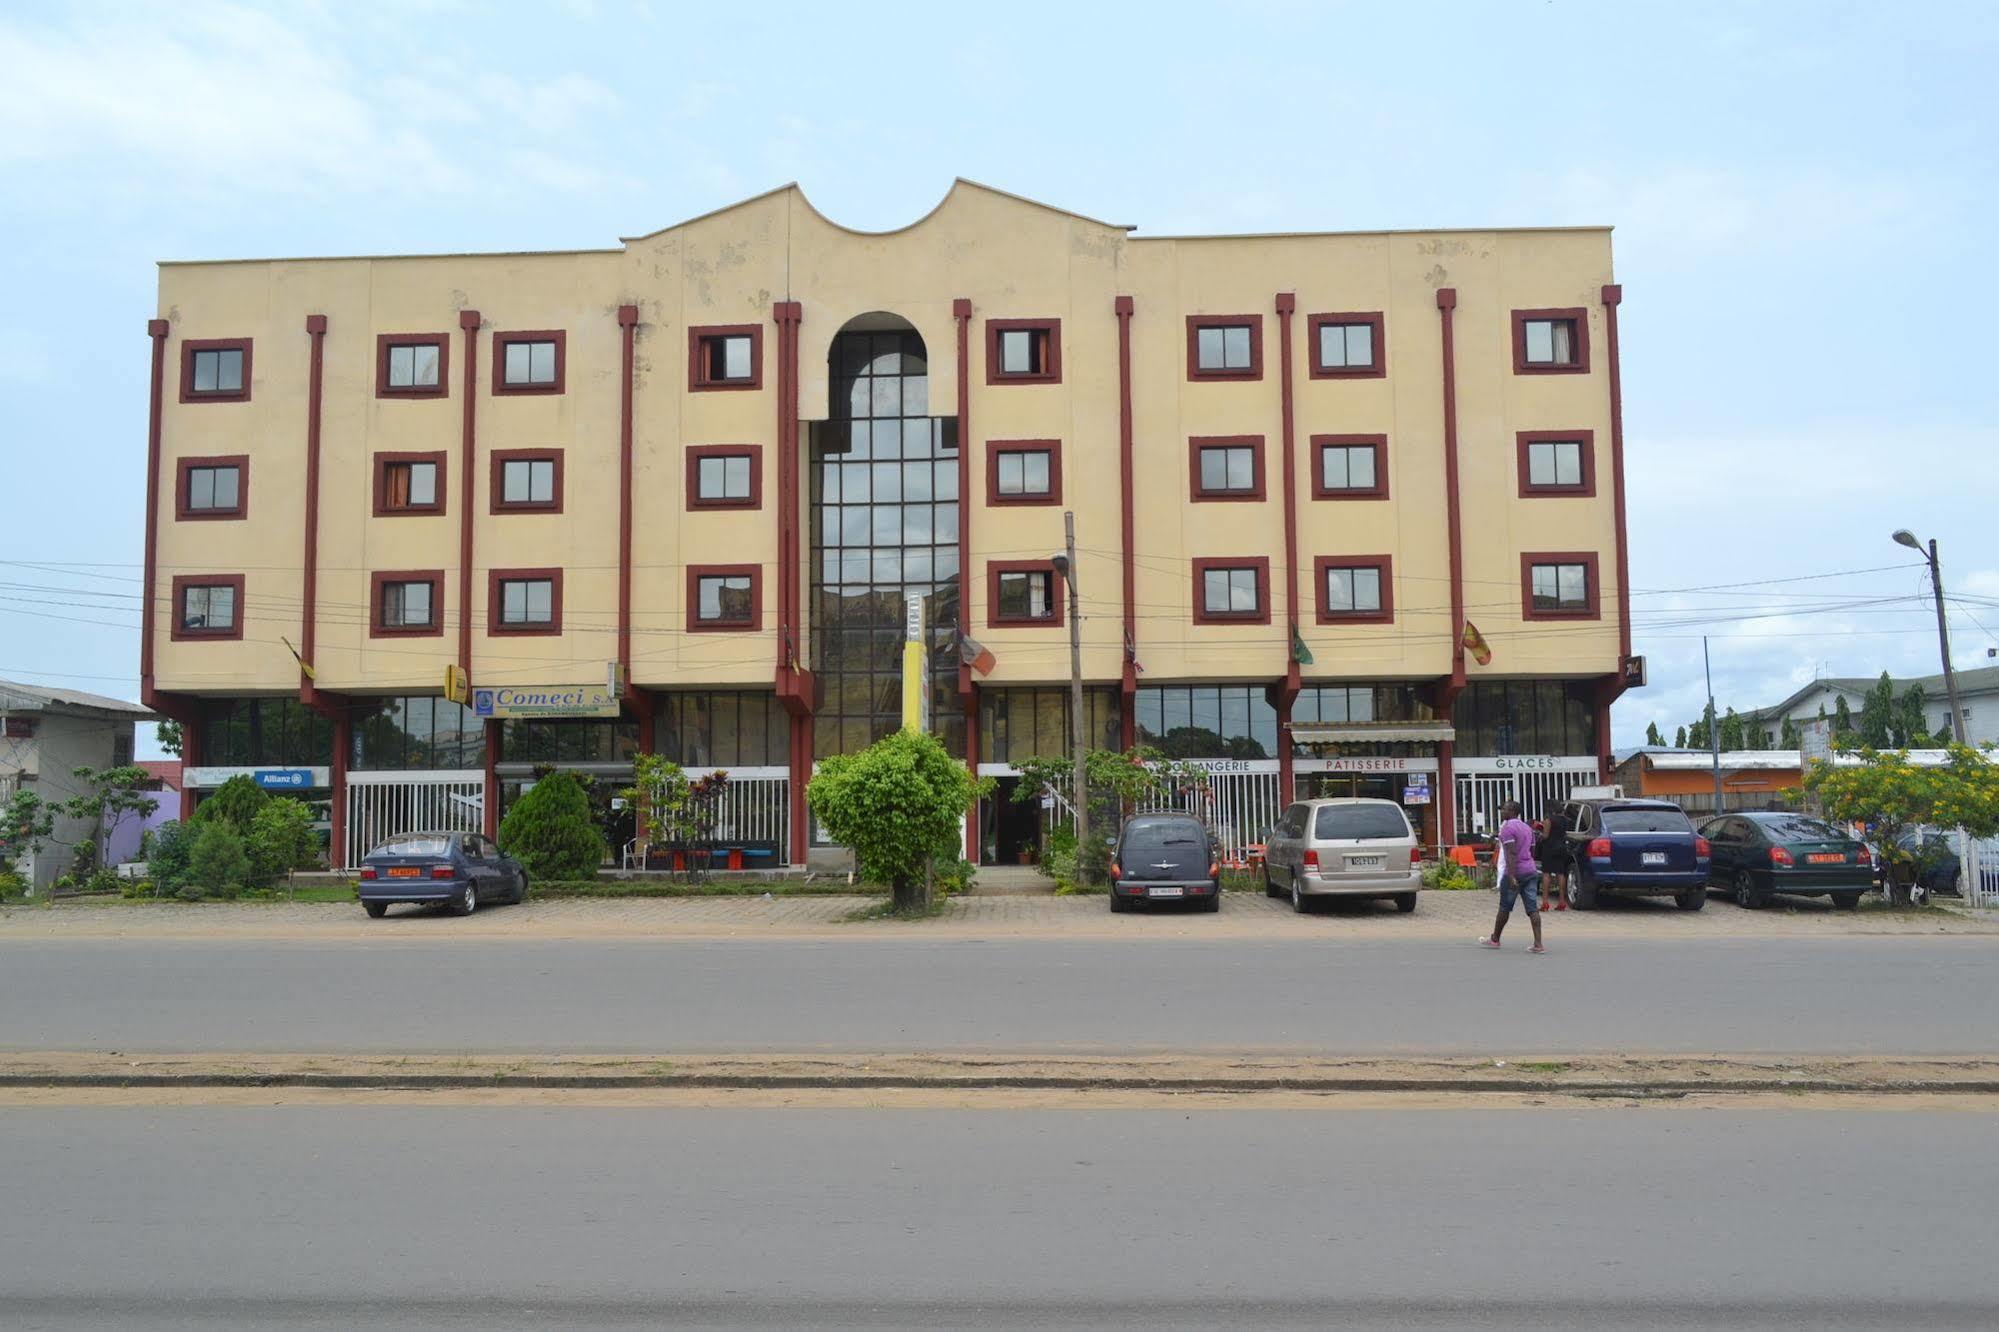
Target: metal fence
pixel 1239 806
pixel 381 805
pixel 1480 795
pixel 755 806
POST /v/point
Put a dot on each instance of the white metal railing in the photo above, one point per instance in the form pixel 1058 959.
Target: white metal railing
pixel 1979 878
pixel 755 806
pixel 1480 794
pixel 1239 806
pixel 381 805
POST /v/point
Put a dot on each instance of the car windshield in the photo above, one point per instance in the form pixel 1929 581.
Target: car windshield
pixel 1645 820
pixel 1801 829
pixel 1336 822
pixel 1165 832
pixel 415 846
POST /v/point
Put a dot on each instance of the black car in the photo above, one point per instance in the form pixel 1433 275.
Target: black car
pixel 1635 848
pixel 1165 858
pixel 1759 853
pixel 456 870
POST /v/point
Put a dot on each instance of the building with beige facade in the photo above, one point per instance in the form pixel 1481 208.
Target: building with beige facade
pixel 671 497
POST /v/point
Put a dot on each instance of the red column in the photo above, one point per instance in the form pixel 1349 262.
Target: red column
pixel 1127 529
pixel 793 682
pixel 343 746
pixel 1447 303
pixel 968 690
pixel 628 318
pixel 1613 296
pixel 1287 692
pixel 156 329
pixel 489 813
pixel 308 632
pixel 468 320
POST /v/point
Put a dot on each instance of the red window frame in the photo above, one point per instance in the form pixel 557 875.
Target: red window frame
pixel 1379 443
pixel 1374 318
pixel 189 346
pixel 1051 371
pixel 997 447
pixel 697 572
pixel 1259 563
pixel 381 483
pixel 181 583
pixel 1586 558
pixel 697 364
pixel 184 513
pixel 1586 439
pixel 1254 443
pixel 1578 315
pixel 502 341
pixel 1056 588
pixel 1384 564
pixel 441 341
pixel 497 629
pixel 1195 323
pixel 696 452
pixel 496 487
pixel 378 582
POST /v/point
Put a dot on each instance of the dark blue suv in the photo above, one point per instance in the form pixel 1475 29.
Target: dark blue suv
pixel 1635 848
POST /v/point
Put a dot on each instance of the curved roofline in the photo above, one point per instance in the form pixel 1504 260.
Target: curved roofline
pixel 957 183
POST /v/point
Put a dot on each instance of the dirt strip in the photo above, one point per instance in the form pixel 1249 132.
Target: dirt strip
pixel 1600 1075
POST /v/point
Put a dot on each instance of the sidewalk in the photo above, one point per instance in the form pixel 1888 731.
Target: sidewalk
pixel 1447 915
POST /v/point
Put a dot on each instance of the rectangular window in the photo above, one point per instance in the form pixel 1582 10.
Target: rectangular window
pixel 724 476
pixel 1559 585
pixel 1350 467
pixel 530 362
pixel 1024 471
pixel 527 480
pixel 725 356
pixel 1023 351
pixel 212 487
pixel 1022 592
pixel 524 601
pixel 1557 462
pixel 1225 346
pixel 409 483
pixel 723 596
pixel 1550 341
pixel 1355 589
pixel 1228 590
pixel 1347 345
pixel 1226 467
pixel 412 365
pixel 408 603
pixel 208 606
pixel 215 370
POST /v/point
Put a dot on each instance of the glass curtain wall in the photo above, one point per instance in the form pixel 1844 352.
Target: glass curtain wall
pixel 884 523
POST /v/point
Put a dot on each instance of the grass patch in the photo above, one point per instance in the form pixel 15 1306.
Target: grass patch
pixel 1543 1067
pixel 1063 888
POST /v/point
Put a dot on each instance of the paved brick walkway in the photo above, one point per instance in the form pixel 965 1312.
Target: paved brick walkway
pixel 1243 915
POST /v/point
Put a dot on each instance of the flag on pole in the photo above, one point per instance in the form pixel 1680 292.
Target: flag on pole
pixel 303 664
pixel 1474 641
pixel 976 655
pixel 1299 652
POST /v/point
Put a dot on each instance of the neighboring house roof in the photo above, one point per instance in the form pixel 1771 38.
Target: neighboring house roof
pixel 1979 680
pixel 1737 760
pixel 37 698
pixel 165 771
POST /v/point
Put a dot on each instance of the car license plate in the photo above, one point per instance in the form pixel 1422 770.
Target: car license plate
pixel 1166 890
pixel 1825 858
pixel 1366 862
pixel 1652 858
pixel 404 872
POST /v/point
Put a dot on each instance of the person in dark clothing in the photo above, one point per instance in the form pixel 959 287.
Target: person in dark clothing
pixel 1557 860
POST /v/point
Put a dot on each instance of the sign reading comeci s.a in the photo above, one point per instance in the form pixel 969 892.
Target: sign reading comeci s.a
pixel 503 701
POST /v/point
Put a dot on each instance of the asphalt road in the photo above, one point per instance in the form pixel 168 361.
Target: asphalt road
pixel 496 1216
pixel 1821 996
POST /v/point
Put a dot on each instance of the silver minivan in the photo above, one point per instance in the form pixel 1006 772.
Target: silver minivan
pixel 1343 848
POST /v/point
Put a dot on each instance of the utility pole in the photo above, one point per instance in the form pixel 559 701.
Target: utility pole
pixel 1904 537
pixel 1065 565
pixel 1713 728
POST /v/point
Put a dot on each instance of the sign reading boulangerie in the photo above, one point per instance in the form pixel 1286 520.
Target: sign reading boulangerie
pixel 503 701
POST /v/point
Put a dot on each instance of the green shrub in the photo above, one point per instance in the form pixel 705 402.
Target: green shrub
pixel 281 840
pixel 552 831
pixel 216 865
pixel 104 881
pixel 953 878
pixel 12 885
pixel 896 805
pixel 166 850
pixel 136 889
pixel 236 802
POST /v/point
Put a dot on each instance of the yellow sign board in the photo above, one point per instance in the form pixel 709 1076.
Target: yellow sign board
pixel 457 688
pixel 915 668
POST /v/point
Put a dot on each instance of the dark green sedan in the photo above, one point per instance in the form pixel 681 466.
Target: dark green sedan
pixel 1758 854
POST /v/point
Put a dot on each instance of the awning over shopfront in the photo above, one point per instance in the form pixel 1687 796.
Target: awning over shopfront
pixel 1351 733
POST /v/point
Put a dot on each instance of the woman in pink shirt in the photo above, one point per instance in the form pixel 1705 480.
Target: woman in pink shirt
pixel 1519 876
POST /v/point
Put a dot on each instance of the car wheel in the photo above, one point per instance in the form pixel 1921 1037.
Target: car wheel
pixel 1582 893
pixel 1269 884
pixel 1691 900
pixel 1299 903
pixel 1118 905
pixel 521 893
pixel 1212 902
pixel 467 900
pixel 375 910
pixel 1846 901
pixel 1405 902
pixel 1747 895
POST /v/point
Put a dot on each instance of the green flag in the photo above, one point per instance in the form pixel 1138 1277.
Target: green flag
pixel 1299 652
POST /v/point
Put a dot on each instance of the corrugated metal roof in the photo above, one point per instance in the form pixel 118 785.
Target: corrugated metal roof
pixel 38 698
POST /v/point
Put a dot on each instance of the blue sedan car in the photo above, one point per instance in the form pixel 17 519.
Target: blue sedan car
pixel 455 870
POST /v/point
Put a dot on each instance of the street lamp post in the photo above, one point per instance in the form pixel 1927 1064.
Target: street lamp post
pixel 1904 537
pixel 1065 567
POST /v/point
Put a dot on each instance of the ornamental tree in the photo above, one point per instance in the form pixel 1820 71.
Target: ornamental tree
pixel 896 805
pixel 552 831
pixel 1113 782
pixel 1893 796
pixel 235 802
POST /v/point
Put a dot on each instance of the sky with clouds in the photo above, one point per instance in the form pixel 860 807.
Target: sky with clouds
pixel 1800 195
